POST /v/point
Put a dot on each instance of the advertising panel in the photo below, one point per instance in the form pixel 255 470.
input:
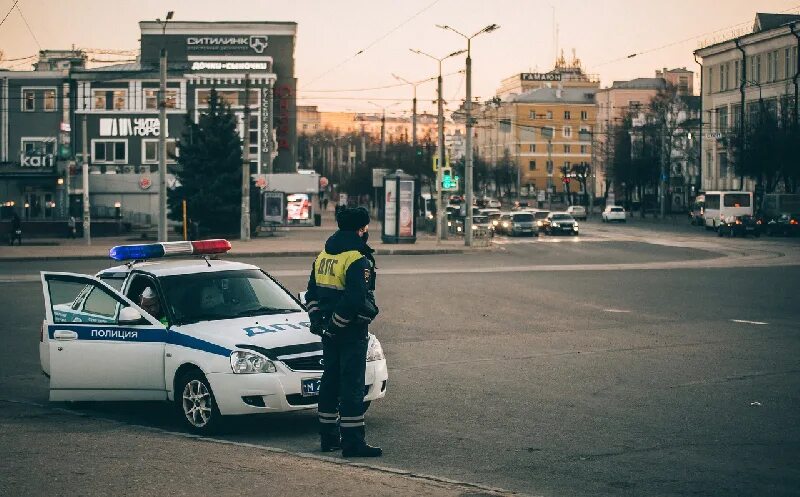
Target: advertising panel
pixel 406 208
pixel 298 207
pixel 390 209
pixel 273 207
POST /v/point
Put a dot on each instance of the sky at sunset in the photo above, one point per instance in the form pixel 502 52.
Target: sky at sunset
pixel 330 32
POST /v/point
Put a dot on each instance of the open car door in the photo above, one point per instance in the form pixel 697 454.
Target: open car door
pixel 101 346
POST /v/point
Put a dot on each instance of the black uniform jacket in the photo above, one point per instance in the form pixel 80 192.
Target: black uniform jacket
pixel 341 285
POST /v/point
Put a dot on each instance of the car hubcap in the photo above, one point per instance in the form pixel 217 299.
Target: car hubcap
pixel 197 403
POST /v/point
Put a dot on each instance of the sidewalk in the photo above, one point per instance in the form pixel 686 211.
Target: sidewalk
pixel 56 452
pixel 291 241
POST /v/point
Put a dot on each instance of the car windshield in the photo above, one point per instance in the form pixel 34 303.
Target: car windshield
pixel 523 218
pixel 480 219
pixel 541 214
pixel 562 217
pixel 225 295
pixel 616 209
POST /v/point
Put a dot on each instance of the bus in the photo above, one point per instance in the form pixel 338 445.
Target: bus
pixel 720 205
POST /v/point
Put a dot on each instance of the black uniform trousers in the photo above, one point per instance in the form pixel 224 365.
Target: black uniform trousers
pixel 341 392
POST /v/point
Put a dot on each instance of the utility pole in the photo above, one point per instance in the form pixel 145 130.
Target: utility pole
pixel 440 126
pixel 162 135
pixel 87 220
pixel 591 175
pixel 383 138
pixel 244 233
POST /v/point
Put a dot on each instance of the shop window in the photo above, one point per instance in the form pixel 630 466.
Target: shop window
pixel 28 100
pixel 150 151
pixel 151 99
pixel 109 151
pixel 38 147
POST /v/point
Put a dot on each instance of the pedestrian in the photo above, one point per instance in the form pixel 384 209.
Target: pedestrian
pixel 71 225
pixel 16 230
pixel 341 304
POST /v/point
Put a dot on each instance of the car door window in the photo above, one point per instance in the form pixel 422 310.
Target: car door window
pixel 77 302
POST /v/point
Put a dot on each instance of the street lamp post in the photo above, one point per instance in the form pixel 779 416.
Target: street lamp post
pixel 383 143
pixel 162 134
pixel 468 111
pixel 439 222
pixel 413 111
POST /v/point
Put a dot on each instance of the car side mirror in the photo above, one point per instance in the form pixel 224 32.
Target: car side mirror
pixel 129 315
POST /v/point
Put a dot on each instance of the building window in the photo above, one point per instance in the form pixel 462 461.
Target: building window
pixel 683 84
pixel 710 79
pixel 532 114
pixel 151 99
pixel 769 67
pixel 736 74
pixel 722 119
pixel 567 149
pixel 756 68
pixel 109 151
pixel 38 147
pixel 28 100
pixel 567 115
pixel 532 165
pixel 547 133
pixel 723 77
pixel 584 115
pixel 549 165
pixel 634 105
pixel 49 100
pixel 549 114
pixel 723 164
pixel 567 131
pixel 584 149
pixel 110 99
pixel 787 63
pixel 532 147
pixel 150 151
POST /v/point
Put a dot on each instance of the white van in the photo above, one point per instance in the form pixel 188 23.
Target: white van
pixel 719 205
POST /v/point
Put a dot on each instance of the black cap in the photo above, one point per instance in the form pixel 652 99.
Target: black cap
pixel 352 219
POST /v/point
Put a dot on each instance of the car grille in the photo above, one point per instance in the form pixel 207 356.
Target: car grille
pixel 309 363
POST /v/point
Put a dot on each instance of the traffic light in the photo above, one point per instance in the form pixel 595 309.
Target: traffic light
pixel 449 182
pixel 565 180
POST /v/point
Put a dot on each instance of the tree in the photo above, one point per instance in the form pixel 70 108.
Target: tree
pixel 210 170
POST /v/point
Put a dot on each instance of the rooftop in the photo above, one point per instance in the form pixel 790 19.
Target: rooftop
pixel 640 84
pixel 765 21
pixel 555 95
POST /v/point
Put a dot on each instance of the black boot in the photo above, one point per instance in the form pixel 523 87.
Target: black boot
pixel 364 450
pixel 330 442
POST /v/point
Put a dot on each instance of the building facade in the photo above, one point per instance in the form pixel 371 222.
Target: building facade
pixel 738 76
pixel 249 64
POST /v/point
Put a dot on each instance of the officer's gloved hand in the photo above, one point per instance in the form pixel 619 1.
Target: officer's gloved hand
pixel 318 327
pixel 368 313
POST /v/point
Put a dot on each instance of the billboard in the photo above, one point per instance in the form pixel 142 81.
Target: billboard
pixel 298 207
pixel 390 212
pixel 406 208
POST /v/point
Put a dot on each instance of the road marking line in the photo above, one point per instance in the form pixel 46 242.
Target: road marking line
pixel 748 322
pixel 615 310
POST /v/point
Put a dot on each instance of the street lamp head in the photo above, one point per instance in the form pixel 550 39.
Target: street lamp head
pixel 456 53
pixel 169 15
pixel 443 26
pixel 490 28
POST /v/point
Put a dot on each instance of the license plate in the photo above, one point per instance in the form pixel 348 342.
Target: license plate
pixel 750 228
pixel 309 387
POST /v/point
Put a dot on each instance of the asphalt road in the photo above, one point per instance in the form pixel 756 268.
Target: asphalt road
pixel 571 382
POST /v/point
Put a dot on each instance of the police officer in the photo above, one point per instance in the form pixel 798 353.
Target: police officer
pixel 148 301
pixel 341 304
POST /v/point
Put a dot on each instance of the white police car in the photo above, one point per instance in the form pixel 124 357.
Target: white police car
pixel 228 338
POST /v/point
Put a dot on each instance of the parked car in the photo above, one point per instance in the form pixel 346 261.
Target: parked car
pixel 614 213
pixel 560 223
pixel 522 223
pixel 493 203
pixel 577 212
pixel 739 226
pixel 786 224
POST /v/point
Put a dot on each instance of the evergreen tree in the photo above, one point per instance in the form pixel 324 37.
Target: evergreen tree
pixel 210 172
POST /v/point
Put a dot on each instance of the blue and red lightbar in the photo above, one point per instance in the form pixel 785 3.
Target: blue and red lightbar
pixel 167 249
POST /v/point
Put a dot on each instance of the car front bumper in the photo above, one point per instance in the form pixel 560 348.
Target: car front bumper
pixel 280 392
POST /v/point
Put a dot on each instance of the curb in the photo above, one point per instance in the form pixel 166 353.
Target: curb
pixel 299 253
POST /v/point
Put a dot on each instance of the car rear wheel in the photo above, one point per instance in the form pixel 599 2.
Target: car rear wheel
pixel 196 403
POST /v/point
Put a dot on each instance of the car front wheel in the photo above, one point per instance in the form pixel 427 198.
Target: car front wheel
pixel 196 403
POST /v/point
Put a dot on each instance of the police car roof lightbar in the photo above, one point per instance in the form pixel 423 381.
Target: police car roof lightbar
pixel 167 249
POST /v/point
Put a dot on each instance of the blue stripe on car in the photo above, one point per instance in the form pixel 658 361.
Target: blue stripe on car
pixel 153 335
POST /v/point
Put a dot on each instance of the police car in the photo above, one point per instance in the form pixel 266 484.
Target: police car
pixel 228 338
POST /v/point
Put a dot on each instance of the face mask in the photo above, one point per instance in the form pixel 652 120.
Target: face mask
pixel 365 236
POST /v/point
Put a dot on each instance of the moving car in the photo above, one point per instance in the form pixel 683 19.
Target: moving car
pixel 739 226
pixel 539 215
pixel 220 338
pixel 785 224
pixel 577 212
pixel 560 223
pixel 614 213
pixel 493 214
pixel 522 223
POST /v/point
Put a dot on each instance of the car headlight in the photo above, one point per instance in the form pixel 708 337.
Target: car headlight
pixel 375 351
pixel 243 362
pixel 556 225
pixel 575 227
pixel 474 227
pixel 505 224
pixel 494 223
pixel 459 229
pixel 539 223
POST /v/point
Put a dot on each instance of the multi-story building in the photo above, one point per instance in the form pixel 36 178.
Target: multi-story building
pixel 542 131
pixel 565 75
pixel 738 76
pixel 250 64
pixel 681 78
pixel 35 118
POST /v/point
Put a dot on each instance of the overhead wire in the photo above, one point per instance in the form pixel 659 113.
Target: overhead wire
pixel 381 38
pixel 29 27
pixel 9 13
